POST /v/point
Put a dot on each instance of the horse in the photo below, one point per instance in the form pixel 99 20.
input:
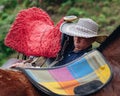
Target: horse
pixel 15 83
pixel 110 49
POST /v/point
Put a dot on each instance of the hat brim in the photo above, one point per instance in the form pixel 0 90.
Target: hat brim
pixel 69 29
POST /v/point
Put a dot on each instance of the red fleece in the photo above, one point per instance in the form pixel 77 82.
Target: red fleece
pixel 33 33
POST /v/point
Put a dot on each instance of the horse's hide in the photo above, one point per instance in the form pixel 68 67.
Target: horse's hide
pixel 112 54
pixel 14 83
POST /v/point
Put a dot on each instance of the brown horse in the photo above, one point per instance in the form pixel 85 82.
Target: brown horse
pixel 111 50
pixel 15 83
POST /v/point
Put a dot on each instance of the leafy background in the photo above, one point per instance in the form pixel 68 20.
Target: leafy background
pixel 105 12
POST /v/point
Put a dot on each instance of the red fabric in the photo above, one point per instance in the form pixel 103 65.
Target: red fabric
pixel 33 33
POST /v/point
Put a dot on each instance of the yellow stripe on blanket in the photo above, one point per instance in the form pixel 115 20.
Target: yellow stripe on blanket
pixel 103 73
pixel 54 87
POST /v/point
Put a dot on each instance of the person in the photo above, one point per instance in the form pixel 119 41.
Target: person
pixel 84 33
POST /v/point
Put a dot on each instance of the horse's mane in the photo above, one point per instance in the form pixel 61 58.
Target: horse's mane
pixel 113 36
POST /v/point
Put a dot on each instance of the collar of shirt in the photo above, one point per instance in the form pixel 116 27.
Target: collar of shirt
pixel 82 51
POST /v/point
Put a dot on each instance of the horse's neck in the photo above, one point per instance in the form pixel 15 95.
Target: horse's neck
pixel 112 52
pixel 111 47
pixel 112 39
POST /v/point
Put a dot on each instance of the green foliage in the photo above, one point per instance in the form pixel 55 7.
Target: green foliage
pixel 65 6
pixel 9 3
pixel 4 51
pixel 104 12
pixel 77 11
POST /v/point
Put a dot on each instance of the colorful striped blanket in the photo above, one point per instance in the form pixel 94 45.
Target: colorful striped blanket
pixel 83 76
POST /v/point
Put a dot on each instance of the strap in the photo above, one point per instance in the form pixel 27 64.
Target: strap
pixel 60 54
pixel 22 56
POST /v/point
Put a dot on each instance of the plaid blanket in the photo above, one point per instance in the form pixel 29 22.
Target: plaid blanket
pixel 82 76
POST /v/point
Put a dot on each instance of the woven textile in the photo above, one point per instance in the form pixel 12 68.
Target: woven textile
pixel 33 33
pixel 82 76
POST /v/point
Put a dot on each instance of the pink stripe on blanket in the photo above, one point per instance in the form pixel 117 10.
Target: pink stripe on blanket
pixel 61 74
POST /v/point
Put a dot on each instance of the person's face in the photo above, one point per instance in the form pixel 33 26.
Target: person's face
pixel 81 43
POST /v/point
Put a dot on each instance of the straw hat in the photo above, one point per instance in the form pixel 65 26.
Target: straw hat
pixel 85 27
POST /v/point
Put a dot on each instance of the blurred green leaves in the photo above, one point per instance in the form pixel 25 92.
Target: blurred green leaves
pixel 105 12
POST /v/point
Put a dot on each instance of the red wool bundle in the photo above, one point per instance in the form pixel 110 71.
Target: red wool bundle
pixel 33 33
